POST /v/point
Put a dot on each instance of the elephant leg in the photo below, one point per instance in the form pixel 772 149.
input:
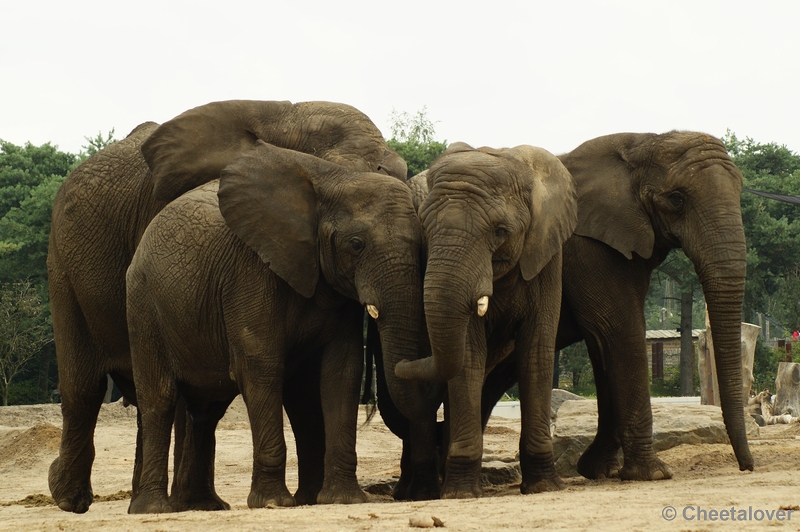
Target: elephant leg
pixel 303 405
pixel 462 476
pixel 342 365
pixel 193 482
pixel 600 460
pixel 82 383
pixel 627 367
pixel 157 403
pixel 535 345
pixel 261 381
pixel 419 462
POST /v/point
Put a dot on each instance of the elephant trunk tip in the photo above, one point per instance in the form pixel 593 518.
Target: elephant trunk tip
pixel 425 369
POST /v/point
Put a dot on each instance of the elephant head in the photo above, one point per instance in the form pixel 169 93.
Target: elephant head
pixel 308 218
pixel 648 193
pixel 192 148
pixel 489 214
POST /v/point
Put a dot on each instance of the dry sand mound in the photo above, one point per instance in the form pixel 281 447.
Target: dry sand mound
pixel 24 448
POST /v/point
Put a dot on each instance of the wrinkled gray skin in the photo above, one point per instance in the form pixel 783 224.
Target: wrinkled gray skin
pixel 639 195
pixel 494 221
pixel 208 318
pixel 99 215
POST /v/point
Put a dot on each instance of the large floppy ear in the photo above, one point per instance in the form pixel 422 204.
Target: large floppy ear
pixel 609 207
pixel 393 165
pixel 268 200
pixel 192 148
pixel 553 209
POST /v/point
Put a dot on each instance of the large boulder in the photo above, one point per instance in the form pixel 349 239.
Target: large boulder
pixel 673 424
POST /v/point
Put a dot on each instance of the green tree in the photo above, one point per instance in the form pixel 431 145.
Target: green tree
pixel 29 179
pixel 413 139
pixel 95 144
pixel 22 334
pixel 772 228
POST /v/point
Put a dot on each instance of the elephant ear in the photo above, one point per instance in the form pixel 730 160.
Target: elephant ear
pixel 268 200
pixel 192 148
pixel 553 209
pixel 419 189
pixel 393 165
pixel 609 207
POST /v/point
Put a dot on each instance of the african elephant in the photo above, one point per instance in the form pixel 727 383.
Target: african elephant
pixel 494 222
pixel 99 215
pixel 233 290
pixel 639 196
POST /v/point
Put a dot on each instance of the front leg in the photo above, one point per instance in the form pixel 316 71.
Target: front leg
pixel 462 477
pixel 342 364
pixel 260 379
pixel 536 342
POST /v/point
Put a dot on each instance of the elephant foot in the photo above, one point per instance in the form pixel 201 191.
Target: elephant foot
pixel 274 497
pixel 651 468
pixel 71 495
pixel 597 463
pixel 341 493
pixel 150 503
pixel 539 474
pixel 462 480
pixel 417 487
pixel 206 502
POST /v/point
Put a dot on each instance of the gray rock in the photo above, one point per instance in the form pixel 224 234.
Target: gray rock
pixel 499 473
pixel 558 397
pixel 673 424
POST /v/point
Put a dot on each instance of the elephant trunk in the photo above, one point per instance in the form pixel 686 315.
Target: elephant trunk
pixel 456 289
pixel 723 280
pixel 400 329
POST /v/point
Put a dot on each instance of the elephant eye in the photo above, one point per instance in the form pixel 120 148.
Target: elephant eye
pixel 357 244
pixel 676 199
pixel 500 232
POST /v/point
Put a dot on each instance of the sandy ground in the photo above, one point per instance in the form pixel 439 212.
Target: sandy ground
pixel 706 480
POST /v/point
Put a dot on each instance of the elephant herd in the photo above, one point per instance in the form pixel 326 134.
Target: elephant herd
pixel 234 250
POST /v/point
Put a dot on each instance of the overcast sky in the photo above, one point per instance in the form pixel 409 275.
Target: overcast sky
pixel 495 73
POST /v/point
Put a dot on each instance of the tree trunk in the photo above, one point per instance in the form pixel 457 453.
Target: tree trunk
pixel 687 388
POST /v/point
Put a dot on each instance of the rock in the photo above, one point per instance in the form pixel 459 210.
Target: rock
pixel 498 473
pixel 673 424
pixel 558 397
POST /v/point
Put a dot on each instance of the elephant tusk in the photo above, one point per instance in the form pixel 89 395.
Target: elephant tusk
pixel 483 305
pixel 373 311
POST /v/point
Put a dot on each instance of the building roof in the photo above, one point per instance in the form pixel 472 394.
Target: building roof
pixel 669 334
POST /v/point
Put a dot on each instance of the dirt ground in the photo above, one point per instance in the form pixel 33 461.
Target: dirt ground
pixel 706 486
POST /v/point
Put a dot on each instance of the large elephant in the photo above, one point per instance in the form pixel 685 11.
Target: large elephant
pixel 103 208
pixel 208 318
pixel 494 221
pixel 639 196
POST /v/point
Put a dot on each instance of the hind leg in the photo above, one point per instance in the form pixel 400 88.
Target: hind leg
pixel 82 383
pixel 193 485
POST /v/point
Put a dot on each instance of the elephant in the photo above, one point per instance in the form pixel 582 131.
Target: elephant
pixel 494 221
pixel 233 290
pixel 99 215
pixel 639 196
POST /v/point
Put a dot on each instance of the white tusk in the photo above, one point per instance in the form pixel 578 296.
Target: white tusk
pixel 483 305
pixel 373 311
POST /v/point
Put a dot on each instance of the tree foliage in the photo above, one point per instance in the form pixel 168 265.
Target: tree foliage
pixel 413 139
pixel 29 179
pixel 22 333
pixel 772 228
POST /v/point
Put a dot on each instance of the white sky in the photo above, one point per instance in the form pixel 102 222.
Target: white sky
pixel 496 73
